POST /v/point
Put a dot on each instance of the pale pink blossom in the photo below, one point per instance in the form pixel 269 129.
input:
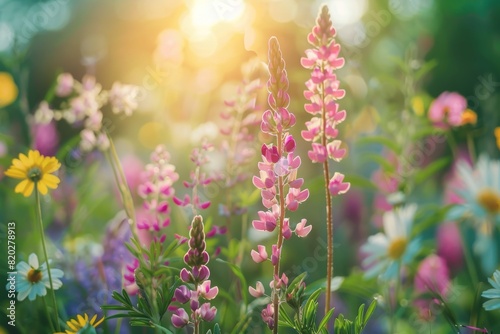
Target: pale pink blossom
pixel 260 255
pixel 258 291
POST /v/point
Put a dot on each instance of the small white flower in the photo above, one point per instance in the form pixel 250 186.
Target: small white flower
pixel 32 280
pixel 386 251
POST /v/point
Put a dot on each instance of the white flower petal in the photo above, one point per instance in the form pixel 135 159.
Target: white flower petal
pixel 33 261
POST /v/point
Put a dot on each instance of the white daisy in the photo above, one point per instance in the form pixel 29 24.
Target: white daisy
pixel 480 195
pixel 32 280
pixel 387 251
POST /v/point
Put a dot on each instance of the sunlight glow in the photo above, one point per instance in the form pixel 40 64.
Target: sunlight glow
pixel 207 13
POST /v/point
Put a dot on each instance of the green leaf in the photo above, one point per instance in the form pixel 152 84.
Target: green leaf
pixel 426 68
pixel 381 140
pixel 325 319
pixel 431 169
pixel 217 329
pixel 361 182
pixel 237 271
pixel 295 281
pixel 284 317
pixel 369 312
pixel 384 163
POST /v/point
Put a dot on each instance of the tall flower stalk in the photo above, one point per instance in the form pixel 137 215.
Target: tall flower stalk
pixel 323 92
pixel 35 171
pixel 280 187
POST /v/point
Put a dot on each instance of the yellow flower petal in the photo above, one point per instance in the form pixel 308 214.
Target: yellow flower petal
pixel 34 164
pixel 98 321
pixel 29 189
pixel 50 180
pixel 72 324
pixel 81 320
pixel 17 163
pixel 9 91
pixel 42 188
pixel 15 173
pixel 25 161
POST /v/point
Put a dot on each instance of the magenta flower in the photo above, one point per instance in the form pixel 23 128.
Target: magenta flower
pixel 196 258
pixel 206 312
pixel 268 316
pixel 260 255
pixel 180 318
pixel 447 109
pixel 45 138
pixel 280 188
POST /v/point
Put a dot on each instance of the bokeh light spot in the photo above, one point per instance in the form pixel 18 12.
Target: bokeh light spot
pixel 283 10
pixel 151 134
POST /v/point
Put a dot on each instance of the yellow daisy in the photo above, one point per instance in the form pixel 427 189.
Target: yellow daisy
pixel 34 168
pixel 80 322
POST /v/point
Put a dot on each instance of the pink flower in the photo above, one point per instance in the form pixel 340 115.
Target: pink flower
pixel 275 254
pixel 447 109
pixel 180 318
pixel 449 245
pixel 301 230
pixel 294 197
pixel 206 312
pixel 337 186
pixel 258 291
pixel 433 275
pixel 334 151
pixel 45 138
pixel 182 294
pixel 206 292
pixel 318 153
pixel 267 315
pixel 65 84
pixel 287 233
pixel 259 256
pixel 267 221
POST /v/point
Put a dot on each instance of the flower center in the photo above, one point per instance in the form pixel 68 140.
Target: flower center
pixel 489 200
pixel 35 174
pixel 34 275
pixel 397 248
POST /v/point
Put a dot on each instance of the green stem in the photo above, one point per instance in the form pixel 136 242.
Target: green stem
pixel 471 148
pixel 48 314
pixel 121 183
pixel 469 262
pixel 452 143
pixel 42 236
pixel 396 295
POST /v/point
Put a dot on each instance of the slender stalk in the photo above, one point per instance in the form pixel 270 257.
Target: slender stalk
pixel 328 197
pixel 121 183
pixel 48 314
pixel 471 148
pixel 44 247
pixel 396 295
pixel 469 262
pixel 280 240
